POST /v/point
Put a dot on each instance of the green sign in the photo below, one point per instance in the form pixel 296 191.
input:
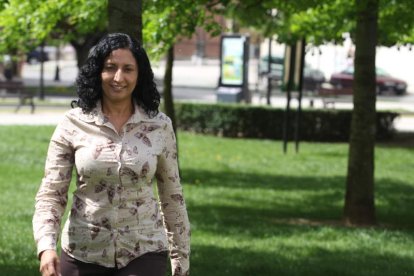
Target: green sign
pixel 232 58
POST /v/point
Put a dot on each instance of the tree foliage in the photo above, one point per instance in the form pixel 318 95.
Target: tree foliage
pixel 327 22
pixel 25 24
pixel 166 22
pixel 320 21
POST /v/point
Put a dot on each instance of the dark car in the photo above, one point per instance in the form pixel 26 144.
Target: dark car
pixel 36 55
pixel 385 82
pixel 312 78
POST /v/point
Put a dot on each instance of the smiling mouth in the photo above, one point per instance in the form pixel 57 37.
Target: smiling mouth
pixel 117 87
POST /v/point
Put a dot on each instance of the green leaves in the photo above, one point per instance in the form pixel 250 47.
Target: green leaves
pixel 166 22
pixel 320 21
pixel 25 24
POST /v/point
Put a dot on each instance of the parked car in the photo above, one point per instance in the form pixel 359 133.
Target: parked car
pixel 36 55
pixel 385 82
pixel 276 64
pixel 312 78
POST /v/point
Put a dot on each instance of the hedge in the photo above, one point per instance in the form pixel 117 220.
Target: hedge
pixel 237 120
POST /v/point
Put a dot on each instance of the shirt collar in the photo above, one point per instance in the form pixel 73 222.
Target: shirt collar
pixel 96 115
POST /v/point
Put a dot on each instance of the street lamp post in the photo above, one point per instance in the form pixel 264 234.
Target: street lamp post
pixel 57 72
pixel 42 83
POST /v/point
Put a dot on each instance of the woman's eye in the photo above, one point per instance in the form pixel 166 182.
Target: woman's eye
pixel 109 68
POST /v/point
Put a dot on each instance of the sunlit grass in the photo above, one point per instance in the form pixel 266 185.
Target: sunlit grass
pixel 253 209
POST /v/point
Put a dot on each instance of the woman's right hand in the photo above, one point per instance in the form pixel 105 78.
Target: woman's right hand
pixel 49 263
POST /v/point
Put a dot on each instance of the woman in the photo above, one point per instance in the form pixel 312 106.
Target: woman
pixel 118 142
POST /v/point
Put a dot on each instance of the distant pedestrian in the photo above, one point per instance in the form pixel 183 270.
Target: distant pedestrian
pixel 8 68
pixel 118 142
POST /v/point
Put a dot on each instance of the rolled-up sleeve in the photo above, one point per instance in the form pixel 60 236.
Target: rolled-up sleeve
pixel 173 204
pixel 51 198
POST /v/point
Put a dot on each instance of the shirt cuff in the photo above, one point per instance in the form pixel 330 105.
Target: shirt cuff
pixel 180 268
pixel 45 244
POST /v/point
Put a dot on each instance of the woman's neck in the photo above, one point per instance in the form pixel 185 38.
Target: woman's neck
pixel 125 109
pixel 118 114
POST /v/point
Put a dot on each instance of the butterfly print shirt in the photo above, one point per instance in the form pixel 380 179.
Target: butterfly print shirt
pixel 116 214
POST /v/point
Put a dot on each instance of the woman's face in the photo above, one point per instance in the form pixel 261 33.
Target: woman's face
pixel 119 76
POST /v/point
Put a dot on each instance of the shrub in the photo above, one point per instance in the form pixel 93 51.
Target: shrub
pixel 234 120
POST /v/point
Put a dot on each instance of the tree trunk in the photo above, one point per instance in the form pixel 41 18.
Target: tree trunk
pixel 168 96
pixel 84 44
pixel 359 200
pixel 125 16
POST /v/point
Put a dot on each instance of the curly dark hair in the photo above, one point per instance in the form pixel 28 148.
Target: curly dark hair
pixel 89 82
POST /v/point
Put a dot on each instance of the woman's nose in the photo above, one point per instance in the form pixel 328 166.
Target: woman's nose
pixel 118 75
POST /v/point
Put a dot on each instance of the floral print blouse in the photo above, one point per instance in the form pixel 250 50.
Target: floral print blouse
pixel 116 215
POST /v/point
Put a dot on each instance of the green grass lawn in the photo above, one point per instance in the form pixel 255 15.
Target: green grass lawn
pixel 253 210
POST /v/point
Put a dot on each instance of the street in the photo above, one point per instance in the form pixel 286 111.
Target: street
pixel 191 81
pixel 198 82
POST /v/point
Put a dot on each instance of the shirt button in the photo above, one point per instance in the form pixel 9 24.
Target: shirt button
pixel 119 189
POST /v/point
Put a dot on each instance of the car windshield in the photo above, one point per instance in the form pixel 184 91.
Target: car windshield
pixel 349 71
pixel 274 59
pixel 379 71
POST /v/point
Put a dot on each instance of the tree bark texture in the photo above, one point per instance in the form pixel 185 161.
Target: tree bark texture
pixel 359 199
pixel 125 16
pixel 168 96
pixel 84 44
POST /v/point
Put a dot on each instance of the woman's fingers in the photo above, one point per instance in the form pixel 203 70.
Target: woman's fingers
pixel 50 264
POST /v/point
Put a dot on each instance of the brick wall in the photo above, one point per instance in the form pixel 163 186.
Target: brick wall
pixel 200 44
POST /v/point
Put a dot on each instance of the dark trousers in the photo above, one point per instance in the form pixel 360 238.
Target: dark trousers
pixel 150 264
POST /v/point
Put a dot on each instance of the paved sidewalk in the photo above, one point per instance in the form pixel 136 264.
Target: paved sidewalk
pixel 197 80
pixel 44 116
pixel 404 124
pixel 47 118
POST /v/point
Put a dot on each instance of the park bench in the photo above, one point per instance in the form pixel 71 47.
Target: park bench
pixel 329 94
pixel 15 89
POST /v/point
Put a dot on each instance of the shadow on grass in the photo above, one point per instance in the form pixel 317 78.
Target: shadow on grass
pixel 287 247
pixel 21 262
pixel 23 269
pixel 404 140
pixel 286 197
pixel 213 260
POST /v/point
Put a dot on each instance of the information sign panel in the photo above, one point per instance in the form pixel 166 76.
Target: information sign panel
pixel 232 60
